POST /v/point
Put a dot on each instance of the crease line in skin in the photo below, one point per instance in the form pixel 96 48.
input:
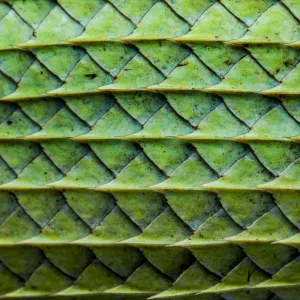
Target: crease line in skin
pixel 289 10
pixel 17 13
pixel 20 278
pixel 232 14
pixel 176 13
pixel 121 13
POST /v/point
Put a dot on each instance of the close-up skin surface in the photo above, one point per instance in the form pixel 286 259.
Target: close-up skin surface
pixel 150 149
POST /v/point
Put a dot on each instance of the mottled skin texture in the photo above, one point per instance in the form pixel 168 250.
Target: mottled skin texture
pixel 149 149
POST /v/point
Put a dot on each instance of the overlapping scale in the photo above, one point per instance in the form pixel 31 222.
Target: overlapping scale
pixel 150 149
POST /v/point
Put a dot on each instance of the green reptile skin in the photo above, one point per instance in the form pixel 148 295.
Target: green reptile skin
pixel 150 149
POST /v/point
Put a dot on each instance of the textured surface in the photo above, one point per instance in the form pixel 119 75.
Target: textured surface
pixel 150 149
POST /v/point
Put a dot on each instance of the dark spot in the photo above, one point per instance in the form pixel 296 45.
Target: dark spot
pixel 183 64
pixel 91 76
pixel 9 122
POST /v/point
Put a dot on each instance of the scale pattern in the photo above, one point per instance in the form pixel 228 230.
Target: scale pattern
pixel 150 149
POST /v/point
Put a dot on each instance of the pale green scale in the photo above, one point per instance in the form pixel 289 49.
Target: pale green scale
pixel 193 207
pixel 141 106
pixel 153 282
pixel 274 154
pixel 138 174
pixel 59 59
pixel 220 155
pixel 142 207
pixel 233 179
pixel 15 63
pixel 88 172
pixel 85 77
pixel 167 154
pixel 4 9
pixel 33 12
pixel 190 74
pixel 294 6
pixel 166 228
pixel 268 27
pixel 220 123
pixel 190 175
pixel 7 86
pixel 16 31
pixel 249 108
pixel 270 227
pixel 61 229
pixel 6 109
pixel 132 76
pixel 245 76
pixel 41 110
pixel 107 24
pixel 218 56
pixel 96 278
pixel 18 125
pixel 80 10
pixel 90 108
pixel 41 207
pixel 292 104
pixel 6 173
pixel 151 26
pixel 35 83
pixel 279 60
pixel 216 24
pixel 115 154
pixel 191 281
pixel 288 203
pixel 165 55
pixel 39 283
pixel 19 154
pixel 17 227
pixel 134 12
pixel 112 56
pixel 114 124
pixel 38 173
pixel 191 105
pixel 289 85
pixel 115 227
pixel 246 207
pixel 249 11
pixel 56 28
pixel 189 9
pixel 63 124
